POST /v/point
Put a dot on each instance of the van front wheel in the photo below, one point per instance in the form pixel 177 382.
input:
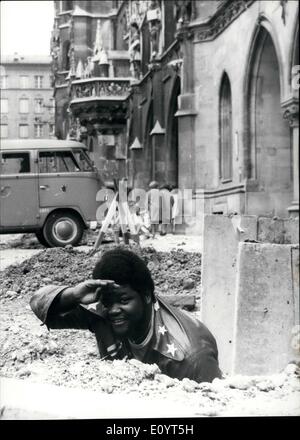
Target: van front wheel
pixel 41 238
pixel 63 228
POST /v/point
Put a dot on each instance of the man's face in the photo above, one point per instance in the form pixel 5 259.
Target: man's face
pixel 126 311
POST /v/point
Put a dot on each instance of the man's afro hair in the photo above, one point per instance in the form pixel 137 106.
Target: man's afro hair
pixel 125 268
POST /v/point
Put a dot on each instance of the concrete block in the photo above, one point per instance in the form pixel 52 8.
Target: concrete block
pixel 187 302
pixel 271 230
pixel 291 230
pixel 264 309
pixel 221 236
pixel 278 230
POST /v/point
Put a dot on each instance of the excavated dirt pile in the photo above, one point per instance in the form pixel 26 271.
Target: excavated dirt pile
pixel 69 357
pixel 173 272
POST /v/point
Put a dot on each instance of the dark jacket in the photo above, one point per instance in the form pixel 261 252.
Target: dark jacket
pixel 181 345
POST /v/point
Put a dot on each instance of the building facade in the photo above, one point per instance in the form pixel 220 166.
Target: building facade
pixel 27 102
pixel 201 95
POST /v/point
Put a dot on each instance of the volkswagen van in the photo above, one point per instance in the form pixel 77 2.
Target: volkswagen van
pixel 47 187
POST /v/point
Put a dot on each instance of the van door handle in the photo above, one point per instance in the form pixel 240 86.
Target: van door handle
pixel 44 186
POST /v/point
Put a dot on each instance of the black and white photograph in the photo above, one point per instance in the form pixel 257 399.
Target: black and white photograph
pixel 149 217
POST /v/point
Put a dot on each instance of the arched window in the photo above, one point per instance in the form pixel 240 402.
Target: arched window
pixel 225 122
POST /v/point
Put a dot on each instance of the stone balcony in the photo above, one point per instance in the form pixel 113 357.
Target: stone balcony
pixel 100 98
pixel 103 89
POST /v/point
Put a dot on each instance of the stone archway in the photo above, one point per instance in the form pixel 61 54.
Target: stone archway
pixel 269 146
pixel 172 136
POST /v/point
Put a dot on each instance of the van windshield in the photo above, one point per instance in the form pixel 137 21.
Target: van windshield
pixel 57 162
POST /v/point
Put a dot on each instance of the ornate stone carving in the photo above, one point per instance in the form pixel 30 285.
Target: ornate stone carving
pixel 155 29
pixel 291 112
pixel 98 88
pixel 137 11
pixel 183 12
pixel 79 70
pixel 225 15
pixel 72 71
pixel 88 68
pixel 55 48
pixel 174 55
pixel 154 21
pixel 99 59
pixel 134 51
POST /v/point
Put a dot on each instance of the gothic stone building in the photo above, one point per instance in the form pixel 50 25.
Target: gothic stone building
pixel 197 94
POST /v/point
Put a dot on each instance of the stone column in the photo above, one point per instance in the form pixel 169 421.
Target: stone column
pixel 291 113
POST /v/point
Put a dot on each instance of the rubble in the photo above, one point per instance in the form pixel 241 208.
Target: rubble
pixel 70 357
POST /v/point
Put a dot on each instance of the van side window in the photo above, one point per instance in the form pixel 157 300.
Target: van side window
pixel 57 162
pixel 83 160
pixel 15 163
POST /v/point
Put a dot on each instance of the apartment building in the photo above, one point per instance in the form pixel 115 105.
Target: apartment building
pixel 27 103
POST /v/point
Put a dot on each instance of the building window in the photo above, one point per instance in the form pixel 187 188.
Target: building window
pixel 38 130
pixel 24 82
pixel 24 105
pixel 38 105
pixel 4 105
pixel 51 130
pixel 3 81
pixel 38 82
pixel 225 121
pixel 15 163
pixel 23 131
pixel 3 131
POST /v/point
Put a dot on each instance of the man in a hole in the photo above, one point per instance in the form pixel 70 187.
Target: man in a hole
pixel 120 307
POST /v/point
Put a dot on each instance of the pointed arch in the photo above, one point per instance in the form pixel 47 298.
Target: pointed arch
pixel 267 158
pixel 225 129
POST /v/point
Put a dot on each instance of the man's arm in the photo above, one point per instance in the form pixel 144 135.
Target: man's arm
pixel 61 306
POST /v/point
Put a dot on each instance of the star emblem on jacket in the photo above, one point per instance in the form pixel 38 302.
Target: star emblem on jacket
pixel 167 333
pixel 171 349
pixel 162 330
